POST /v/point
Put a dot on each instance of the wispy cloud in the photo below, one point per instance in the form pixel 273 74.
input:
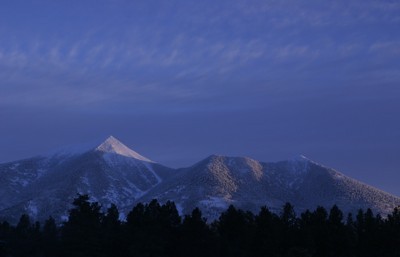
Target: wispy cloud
pixel 260 40
pixel 386 47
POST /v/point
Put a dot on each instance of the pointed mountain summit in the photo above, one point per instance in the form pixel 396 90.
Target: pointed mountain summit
pixel 46 185
pixel 114 146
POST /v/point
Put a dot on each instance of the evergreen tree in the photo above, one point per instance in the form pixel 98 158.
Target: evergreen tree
pixel 50 241
pixel 338 238
pixel 266 230
pixel 112 233
pixel 391 228
pixel 306 232
pixel 153 229
pixel 368 230
pixel 132 229
pixel 24 239
pixel 289 235
pixel 288 216
pixel 81 234
pixel 5 234
pixel 196 238
pixel 235 228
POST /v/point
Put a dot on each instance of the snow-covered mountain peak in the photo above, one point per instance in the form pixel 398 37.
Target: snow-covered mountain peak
pixel 113 145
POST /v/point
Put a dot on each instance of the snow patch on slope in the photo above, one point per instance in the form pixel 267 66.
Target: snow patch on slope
pixel 150 168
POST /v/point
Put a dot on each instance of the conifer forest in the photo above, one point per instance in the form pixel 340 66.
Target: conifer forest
pixel 157 230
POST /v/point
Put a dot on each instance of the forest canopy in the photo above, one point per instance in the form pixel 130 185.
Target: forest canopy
pixel 155 229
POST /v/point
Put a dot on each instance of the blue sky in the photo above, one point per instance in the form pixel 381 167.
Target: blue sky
pixel 180 80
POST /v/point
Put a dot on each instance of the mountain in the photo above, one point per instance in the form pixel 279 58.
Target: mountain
pixel 113 173
pixel 218 181
pixel 43 186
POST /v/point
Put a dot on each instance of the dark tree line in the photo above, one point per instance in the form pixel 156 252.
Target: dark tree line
pixel 157 230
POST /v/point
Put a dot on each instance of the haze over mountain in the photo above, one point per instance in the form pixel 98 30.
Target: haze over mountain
pixel 113 173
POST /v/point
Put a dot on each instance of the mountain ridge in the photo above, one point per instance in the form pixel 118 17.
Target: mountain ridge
pixel 111 172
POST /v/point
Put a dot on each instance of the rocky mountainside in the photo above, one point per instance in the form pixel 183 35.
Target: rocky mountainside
pixel 218 181
pixel 113 173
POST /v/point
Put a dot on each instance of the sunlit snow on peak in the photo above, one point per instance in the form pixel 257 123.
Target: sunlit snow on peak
pixel 113 145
